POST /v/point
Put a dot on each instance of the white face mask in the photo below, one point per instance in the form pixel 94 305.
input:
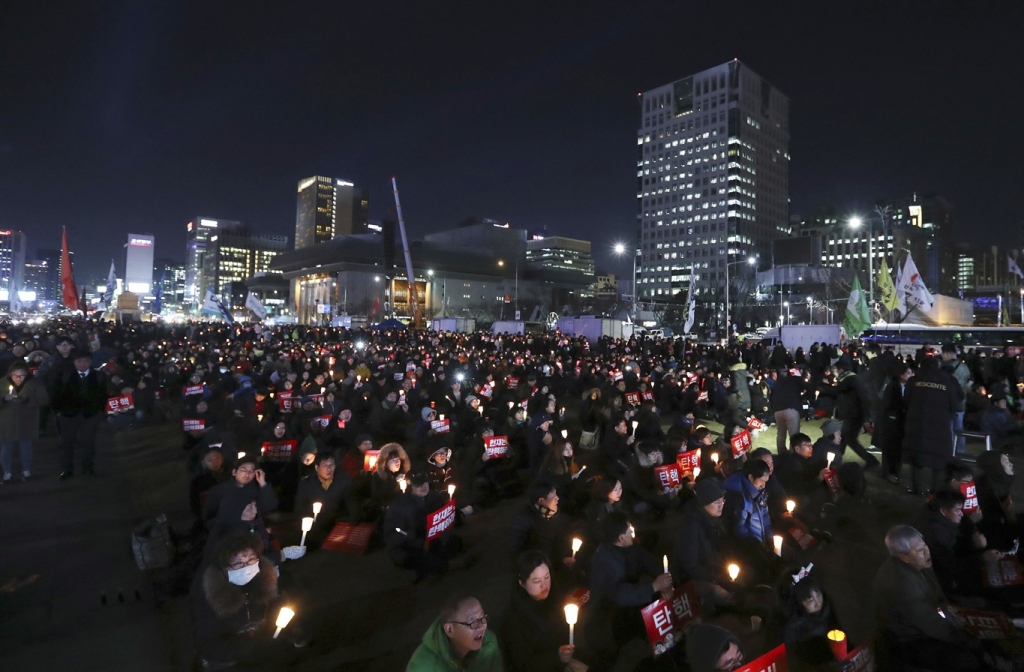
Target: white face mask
pixel 242 576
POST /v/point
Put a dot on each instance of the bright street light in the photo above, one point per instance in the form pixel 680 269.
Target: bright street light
pixel 855 222
pixel 620 249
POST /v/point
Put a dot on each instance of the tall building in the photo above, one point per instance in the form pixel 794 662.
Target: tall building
pixel 558 253
pixel 931 215
pixel 712 179
pixel 39 279
pixel 327 208
pixel 138 264
pixel 198 233
pixel 237 255
pixel 172 277
pixel 12 261
pixel 51 256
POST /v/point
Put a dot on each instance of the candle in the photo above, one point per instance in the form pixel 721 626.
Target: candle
pixel 565 433
pixel 790 506
pixel 635 425
pixel 307 525
pixel 441 417
pixel 241 454
pixel 359 379
pixel 831 456
pixel 481 409
pixel 259 417
pixel 778 544
pixel 451 491
pixel 734 571
pixel 284 617
pixel 402 484
pixel 317 507
pixel 837 640
pixel 714 457
pixel 664 563
pixel 572 613
pixel 577 544
pixel 696 473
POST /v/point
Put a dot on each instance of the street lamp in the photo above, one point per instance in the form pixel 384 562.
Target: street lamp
pixel 810 310
pixel 620 249
pixel 855 223
pixel 501 262
pixel 749 260
pixel 788 317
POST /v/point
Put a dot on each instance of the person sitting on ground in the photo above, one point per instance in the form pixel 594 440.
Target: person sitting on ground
pixel 956 552
pixel 392 466
pixel 807 615
pixel 211 472
pixel 532 637
pixel 998 516
pixel 801 474
pixel 539 526
pixel 458 641
pixel 334 490
pixel 698 554
pixel 405 531
pixel 999 423
pixel 245 475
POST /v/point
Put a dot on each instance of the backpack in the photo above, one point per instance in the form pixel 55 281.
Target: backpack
pixel 152 545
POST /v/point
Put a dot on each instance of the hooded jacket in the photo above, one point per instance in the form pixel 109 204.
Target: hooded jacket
pixel 225 615
pixel 746 509
pixel 435 654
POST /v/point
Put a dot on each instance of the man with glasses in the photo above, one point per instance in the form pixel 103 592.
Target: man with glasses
pixel 458 641
pixel 241 484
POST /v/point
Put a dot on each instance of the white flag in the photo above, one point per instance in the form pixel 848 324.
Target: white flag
pixel 691 306
pixel 253 304
pixel 1014 268
pixel 108 296
pixel 912 290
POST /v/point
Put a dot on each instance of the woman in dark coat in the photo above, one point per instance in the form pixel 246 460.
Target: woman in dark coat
pixel 806 617
pixel 19 418
pixel 534 635
pixel 891 421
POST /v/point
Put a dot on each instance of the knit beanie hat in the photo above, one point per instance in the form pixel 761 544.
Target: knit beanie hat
pixel 705 644
pixel 708 491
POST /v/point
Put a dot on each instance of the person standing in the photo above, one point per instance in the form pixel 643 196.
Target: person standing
pixel 79 399
pixel 855 403
pixel 932 402
pixel 952 365
pixel 19 419
pixel 786 404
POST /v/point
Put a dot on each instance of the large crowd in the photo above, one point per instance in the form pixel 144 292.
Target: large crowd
pixel 673 541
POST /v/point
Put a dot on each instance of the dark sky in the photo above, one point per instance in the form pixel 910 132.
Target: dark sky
pixel 136 116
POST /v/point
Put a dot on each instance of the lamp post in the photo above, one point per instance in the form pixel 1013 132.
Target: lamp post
pixel 810 310
pixel 788 317
pixel 749 260
pixel 501 262
pixel 620 249
pixel 855 223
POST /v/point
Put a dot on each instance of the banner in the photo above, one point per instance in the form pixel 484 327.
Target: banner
pixel 688 461
pixel 120 404
pixel 511 382
pixel 320 421
pixel 756 425
pixel 832 481
pixel 495 447
pixel 193 424
pixel 192 390
pixel 970 492
pixel 278 451
pixel 648 395
pixel 285 401
pixel 773 661
pixel 1005 572
pixel 440 426
pixel 349 538
pixel 666 620
pixel 702 396
pixel 668 476
pixel 740 443
pixel 440 521
pixel 633 398
pixel 801 535
pixel 487 391
pixel 616 375
pixel 985 624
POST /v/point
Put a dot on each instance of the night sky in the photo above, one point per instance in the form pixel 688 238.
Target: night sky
pixel 137 116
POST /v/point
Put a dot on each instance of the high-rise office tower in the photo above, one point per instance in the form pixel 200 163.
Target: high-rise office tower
pixel 138 263
pixel 712 181
pixel 197 236
pixel 327 208
pixel 12 261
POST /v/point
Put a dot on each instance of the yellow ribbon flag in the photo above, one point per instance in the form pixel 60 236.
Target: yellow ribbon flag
pixel 886 288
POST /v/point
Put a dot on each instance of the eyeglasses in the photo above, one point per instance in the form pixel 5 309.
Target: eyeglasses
pixel 474 624
pixel 246 470
pixel 243 565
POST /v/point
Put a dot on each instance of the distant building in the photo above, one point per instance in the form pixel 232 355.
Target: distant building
pixel 39 276
pixel 605 288
pixel 12 261
pixel 557 253
pixel 198 233
pixel 51 256
pixel 712 169
pixel 172 276
pixel 327 208
pixel 272 290
pixel 138 264
pixel 237 255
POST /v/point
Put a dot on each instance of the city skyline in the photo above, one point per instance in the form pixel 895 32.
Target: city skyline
pixel 147 115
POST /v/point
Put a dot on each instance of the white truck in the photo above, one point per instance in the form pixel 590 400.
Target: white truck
pixel 462 325
pixel 591 327
pixel 795 336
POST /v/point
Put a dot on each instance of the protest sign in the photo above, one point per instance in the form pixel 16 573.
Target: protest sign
pixel 193 424
pixel 191 390
pixel 648 395
pixel 970 492
pixel 440 521
pixel 495 447
pixel 278 451
pixel 319 421
pixel 665 620
pixel 440 426
pixel 370 460
pixel 633 398
pixel 740 444
pixel 688 461
pixel 1004 572
pixel 984 624
pixel 349 538
pixel 832 481
pixel 125 402
pixel 773 661
pixel 668 476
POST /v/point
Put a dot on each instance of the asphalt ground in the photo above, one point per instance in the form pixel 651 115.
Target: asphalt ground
pixel 72 598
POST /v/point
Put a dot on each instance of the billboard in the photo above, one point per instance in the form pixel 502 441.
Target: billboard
pixel 138 265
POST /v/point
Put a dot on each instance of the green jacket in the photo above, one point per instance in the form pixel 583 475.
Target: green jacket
pixel 435 654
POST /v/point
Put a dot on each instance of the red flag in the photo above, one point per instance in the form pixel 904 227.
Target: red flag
pixel 67 281
pixel 376 307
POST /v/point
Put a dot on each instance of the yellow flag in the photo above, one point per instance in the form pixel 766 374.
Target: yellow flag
pixel 886 288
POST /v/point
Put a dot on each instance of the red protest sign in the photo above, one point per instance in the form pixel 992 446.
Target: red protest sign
pixel 702 395
pixel 193 424
pixel 319 421
pixel 191 390
pixel 511 381
pixel 970 492
pixel 668 476
pixel 616 375
pixel 285 401
pixel 633 398
pixel 756 425
pixel 1005 572
pixel 370 460
pixel 801 535
pixel 665 620
pixel 119 404
pixel 440 521
pixel 773 661
pixel 984 624
pixel 648 395
pixel 832 481
pixel 278 451
pixel 487 391
pixel 495 447
pixel 688 461
pixel 740 443
pixel 349 538
pixel 439 426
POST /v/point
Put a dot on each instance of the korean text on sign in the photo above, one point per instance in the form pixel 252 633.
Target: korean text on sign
pixel 440 521
pixel 496 446
pixel 740 443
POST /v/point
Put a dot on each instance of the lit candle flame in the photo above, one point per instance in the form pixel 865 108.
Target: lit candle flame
pixel 831 456
pixel 451 491
pixel 577 544
pixel 790 505
pixel 284 617
pixel 734 571
pixel 778 544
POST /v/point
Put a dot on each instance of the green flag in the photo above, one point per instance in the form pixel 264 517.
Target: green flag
pixel 857 317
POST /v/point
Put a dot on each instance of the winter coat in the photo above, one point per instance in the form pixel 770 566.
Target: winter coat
pixel 741 386
pixel 408 513
pixel 435 654
pixel 891 419
pixel 854 398
pixel 532 632
pixel 787 394
pixel 265 498
pixel 19 417
pixel 73 397
pixel 698 549
pixel 339 501
pixel 530 530
pixel 228 619
pixel 907 603
pixel 931 402
pixel 806 639
pixel 746 509
pixel 619 587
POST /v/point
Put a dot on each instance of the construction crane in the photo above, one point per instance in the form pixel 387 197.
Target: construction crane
pixel 417 317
